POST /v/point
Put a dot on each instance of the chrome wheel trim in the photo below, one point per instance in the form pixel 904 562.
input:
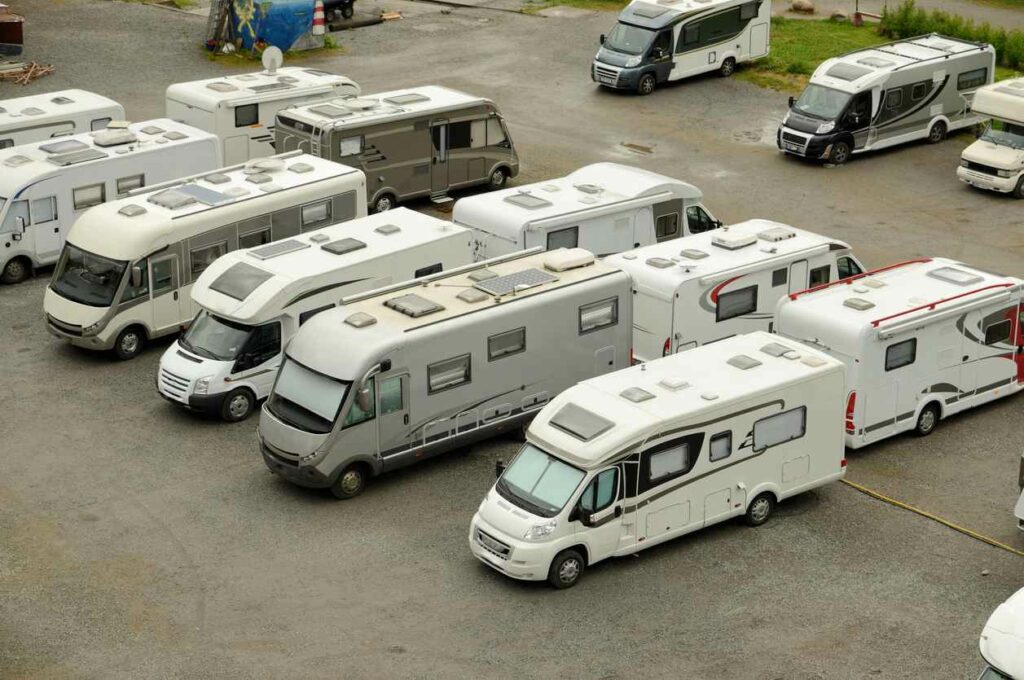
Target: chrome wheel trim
pixel 760 509
pixel 927 421
pixel 383 204
pixel 129 342
pixel 497 178
pixel 647 84
pixel 569 570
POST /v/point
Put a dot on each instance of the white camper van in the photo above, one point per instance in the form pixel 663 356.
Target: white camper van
pixel 703 288
pixel 125 274
pixel 996 161
pixel 656 41
pixel 1002 641
pixel 629 460
pixel 605 208
pixel 46 186
pixel 254 300
pixel 408 372
pixel 921 340
pixel 241 109
pixel 39 117
pixel 918 88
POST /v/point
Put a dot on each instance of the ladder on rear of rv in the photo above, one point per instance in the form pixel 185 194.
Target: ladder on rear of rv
pixel 315 139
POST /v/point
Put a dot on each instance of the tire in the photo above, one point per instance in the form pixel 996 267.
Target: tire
pixel 566 569
pixel 384 203
pixel 759 510
pixel 927 420
pixel 350 482
pixel 1018 191
pixel 840 153
pixel 727 68
pixel 16 270
pixel 238 405
pixel 646 84
pixel 937 132
pixel 497 179
pixel 347 11
pixel 129 343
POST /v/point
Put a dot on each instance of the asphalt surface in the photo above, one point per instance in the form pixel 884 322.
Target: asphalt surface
pixel 139 541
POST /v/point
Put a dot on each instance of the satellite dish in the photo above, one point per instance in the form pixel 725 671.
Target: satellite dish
pixel 272 59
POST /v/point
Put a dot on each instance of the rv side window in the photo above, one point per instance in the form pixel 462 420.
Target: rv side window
pixel 201 258
pixel 691 36
pixel 459 136
pixel 126 184
pixel 131 292
pixel 971 79
pixel 163 276
pixel 846 267
pixel 564 238
pixel 357 415
pixel 391 395
pixel 668 462
pixel 667 226
pixel 901 354
pixel 780 428
pixel 316 214
pixel 699 221
pixel 447 374
pixel 6 143
pixel 997 332
pixel 350 146
pixel 736 303
pixel 748 11
pixel 428 270
pixel 88 196
pixel 495 133
pixel 819 276
pixel 918 91
pixel 506 344
pixel 893 99
pixel 254 238
pixel 601 492
pixel 478 134
pixel 780 277
pixel 598 315
pixel 44 210
pixel 721 446
pixel 99 124
pixel 246 115
pixel 310 313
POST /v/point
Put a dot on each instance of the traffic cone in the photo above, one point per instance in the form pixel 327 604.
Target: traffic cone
pixel 318 18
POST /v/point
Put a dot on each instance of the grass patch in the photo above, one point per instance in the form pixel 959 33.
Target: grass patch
pixel 244 57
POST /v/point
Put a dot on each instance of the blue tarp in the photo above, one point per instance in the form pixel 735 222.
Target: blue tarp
pixel 279 23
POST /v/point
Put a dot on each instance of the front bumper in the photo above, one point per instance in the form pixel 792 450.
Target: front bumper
pixel 73 334
pixel 511 557
pixel 983 180
pixel 614 76
pixel 284 466
pixel 803 144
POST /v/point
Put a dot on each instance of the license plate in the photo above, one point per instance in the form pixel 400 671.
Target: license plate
pixel 793 147
pixel 606 80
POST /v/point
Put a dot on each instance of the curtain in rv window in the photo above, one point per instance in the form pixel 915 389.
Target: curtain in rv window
pixel 780 428
pixel 448 374
pixel 668 460
pixel 126 184
pixel 721 446
pixel 563 238
pixel 901 354
pixel 736 303
pixel 88 196
pixel 44 210
pixel 506 344
pixel 598 315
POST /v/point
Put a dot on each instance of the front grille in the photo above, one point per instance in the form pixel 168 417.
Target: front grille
pixel 67 328
pixel 795 139
pixel 604 72
pixel 493 545
pixel 982 168
pixel 173 385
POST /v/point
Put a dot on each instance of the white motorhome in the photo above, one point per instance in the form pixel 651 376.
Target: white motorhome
pixel 241 109
pixel 408 372
pixel 996 161
pixel 629 460
pixel 46 186
pixel 918 88
pixel 1018 511
pixel 1002 641
pixel 921 340
pixel 254 300
pixel 39 117
pixel 703 288
pixel 605 208
pixel 128 266
pixel 656 41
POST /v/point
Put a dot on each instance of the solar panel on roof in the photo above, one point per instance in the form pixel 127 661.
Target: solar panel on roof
pixel 203 195
pixel 240 280
pixel 580 423
pixel 847 72
pixel 410 98
pixel 503 285
pixel 342 246
pixel 413 305
pixel 529 201
pixel 277 248
pixel 76 157
pixel 65 146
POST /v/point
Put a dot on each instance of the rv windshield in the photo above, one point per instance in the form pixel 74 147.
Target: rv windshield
pixel 215 338
pixel 538 482
pixel 998 132
pixel 821 102
pixel 628 39
pixel 305 399
pixel 86 278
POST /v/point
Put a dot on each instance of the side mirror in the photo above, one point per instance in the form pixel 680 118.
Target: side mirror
pixel 792 100
pixel 136 276
pixel 717 223
pixel 499 468
pixel 363 399
pixel 586 518
pixel 21 224
pixel 602 38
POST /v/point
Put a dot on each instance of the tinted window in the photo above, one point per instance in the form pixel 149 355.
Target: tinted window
pixel 163 276
pixel 893 99
pixel 997 332
pixel 248 114
pixel 971 79
pixel 598 315
pixel 901 354
pixel 736 303
pixel 254 238
pixel 601 492
pixel 428 270
pixel 667 226
pixel 847 267
pixel 6 143
pixel 447 374
pixel 391 395
pixel 564 238
pixel 505 344
pixel 357 415
pixel 721 446
pixel 310 313
pixel 918 92
pixel 201 258
pixel 459 136
pixel 131 292
pixel 264 343
pixel 819 276
pixel 698 220
pixel 779 277
pixel 748 10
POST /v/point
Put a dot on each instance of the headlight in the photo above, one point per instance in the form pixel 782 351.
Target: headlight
pixel 203 385
pixel 785 119
pixel 539 531
pixel 93 328
pixel 963 163
pixel 632 62
pixel 825 128
pixel 1005 173
pixel 306 460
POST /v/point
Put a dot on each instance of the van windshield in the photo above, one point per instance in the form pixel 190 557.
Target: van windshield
pixel 86 278
pixel 998 132
pixel 305 399
pixel 215 338
pixel 538 482
pixel 628 39
pixel 822 102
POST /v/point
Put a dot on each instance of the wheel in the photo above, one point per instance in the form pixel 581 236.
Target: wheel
pixel 646 84
pixel 927 421
pixel 937 132
pixel 383 203
pixel 727 68
pixel 759 510
pixel 351 482
pixel 1018 191
pixel 129 343
pixel 566 569
pixel 347 11
pixel 237 405
pixel 16 270
pixel 498 179
pixel 840 153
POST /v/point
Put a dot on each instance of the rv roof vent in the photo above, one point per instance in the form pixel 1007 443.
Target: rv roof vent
pixel 410 98
pixel 277 248
pixel 152 130
pixel 629 256
pixel 580 423
pixel 32 111
pixel 75 157
pixel 132 210
pixel 64 146
pixel 114 137
pixel 847 72
pixel 589 188
pixel 709 396
pixel 269 87
pixel 472 296
pixel 861 290
pixel 876 62
pixel 693 254
pixel 158 140
pixel 270 188
pixel 62 100
pixel 564 259
pixel 266 165
pixel 873 283
pixel 659 262
pixel 482 275
pixel 812 361
pixel 642 9
pixel 300 168
pixel 217 178
pixel 175 135
pixel 388 229
pixel 954 275
pixel 318 237
pixel 776 234
pixel 776 349
pixel 860 304
pixel 244 76
pixel 525 200
pixel 258 178
pixel 361 104
pixel 636 394
pixel 673 384
pixel 360 320
pixel 589 200
pixel 732 241
pixel 329 111
pixel 288 79
pixel 221 87
pixel 743 362
pixel 551 188
pixel 515 282
pixel 239 280
pixel 237 192
pixel 342 246
pixel 172 199
pixel 413 305
pixel 15 161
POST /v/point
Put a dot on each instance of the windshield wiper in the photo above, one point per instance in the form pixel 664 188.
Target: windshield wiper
pixel 522 502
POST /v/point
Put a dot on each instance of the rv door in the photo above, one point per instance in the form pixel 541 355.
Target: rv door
pixel 439 156
pixel 600 513
pixel 393 430
pixel 798 276
pixel 165 281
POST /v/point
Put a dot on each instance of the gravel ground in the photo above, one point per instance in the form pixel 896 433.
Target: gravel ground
pixel 138 541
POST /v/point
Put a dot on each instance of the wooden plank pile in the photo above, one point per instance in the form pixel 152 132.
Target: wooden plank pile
pixel 23 73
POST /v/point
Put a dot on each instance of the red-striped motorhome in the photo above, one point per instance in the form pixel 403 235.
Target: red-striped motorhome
pixel 921 339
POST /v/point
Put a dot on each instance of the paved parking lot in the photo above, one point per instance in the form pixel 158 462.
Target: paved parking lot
pixel 138 541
